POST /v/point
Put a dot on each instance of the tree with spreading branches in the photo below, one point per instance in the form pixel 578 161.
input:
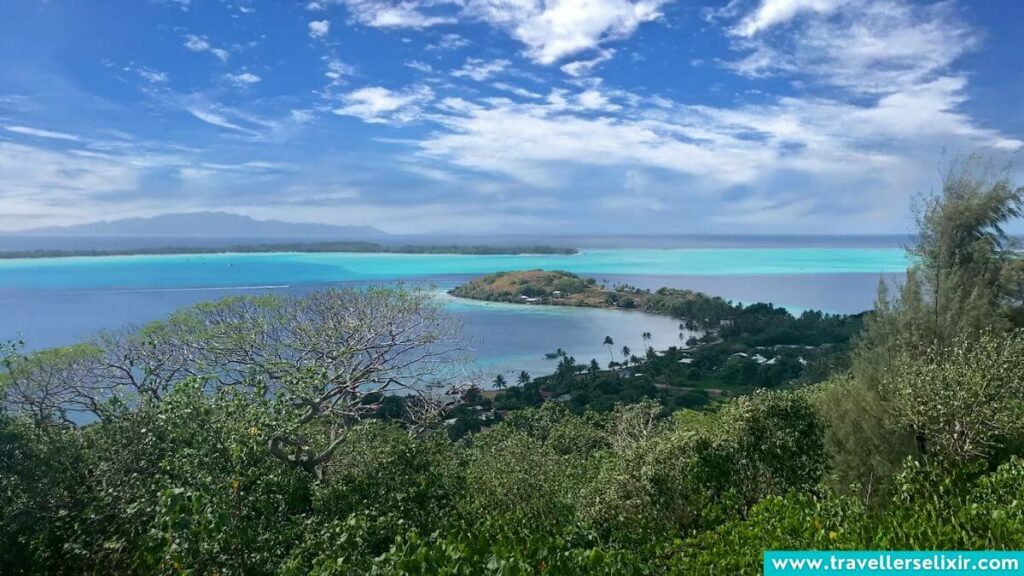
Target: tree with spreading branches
pixel 329 357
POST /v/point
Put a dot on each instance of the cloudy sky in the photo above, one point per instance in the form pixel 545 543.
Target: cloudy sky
pixel 506 116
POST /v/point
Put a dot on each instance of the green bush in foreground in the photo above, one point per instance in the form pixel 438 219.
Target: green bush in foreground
pixel 930 511
pixel 185 485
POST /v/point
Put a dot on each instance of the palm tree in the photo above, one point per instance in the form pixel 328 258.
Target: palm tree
pixel 566 368
pixel 499 382
pixel 609 343
pixel 647 339
pixel 625 354
pixel 524 378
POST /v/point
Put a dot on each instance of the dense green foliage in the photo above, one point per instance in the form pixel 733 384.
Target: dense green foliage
pixel 185 484
pixel 598 391
pixel 297 436
pixel 930 510
pixel 934 357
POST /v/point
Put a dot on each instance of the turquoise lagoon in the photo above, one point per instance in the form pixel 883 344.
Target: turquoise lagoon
pixel 57 301
pixel 263 269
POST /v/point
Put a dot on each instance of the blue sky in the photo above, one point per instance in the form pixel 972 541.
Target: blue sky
pixel 502 116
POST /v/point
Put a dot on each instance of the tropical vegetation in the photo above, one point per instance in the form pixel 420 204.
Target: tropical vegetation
pixel 307 435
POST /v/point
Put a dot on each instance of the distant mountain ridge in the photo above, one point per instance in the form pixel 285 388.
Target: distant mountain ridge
pixel 212 224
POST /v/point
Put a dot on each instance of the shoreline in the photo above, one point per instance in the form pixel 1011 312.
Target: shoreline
pixel 293 248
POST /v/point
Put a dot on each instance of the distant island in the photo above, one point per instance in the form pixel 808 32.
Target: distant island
pixel 559 288
pixel 221 232
pixel 208 224
pixel 360 247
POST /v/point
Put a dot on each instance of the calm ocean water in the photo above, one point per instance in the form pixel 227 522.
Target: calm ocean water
pixel 51 302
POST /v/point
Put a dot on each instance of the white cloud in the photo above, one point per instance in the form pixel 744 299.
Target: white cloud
pixel 394 13
pixel 774 12
pixel 18 102
pixel 595 100
pixel 251 166
pixel 797 156
pixel 457 105
pixel 29 131
pixel 336 70
pixel 201 44
pixel 243 78
pixel 449 42
pixel 301 116
pixel 420 66
pixel 555 29
pixel 320 194
pixel 927 112
pixel 376 104
pixel 211 117
pixel 530 141
pixel 761 211
pixel 550 29
pixel 28 170
pixel 584 67
pixel 183 4
pixel 874 46
pixel 319 28
pixel 517 90
pixel 44 187
pixel 635 196
pixel 152 76
pixel 481 70
pixel 196 44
